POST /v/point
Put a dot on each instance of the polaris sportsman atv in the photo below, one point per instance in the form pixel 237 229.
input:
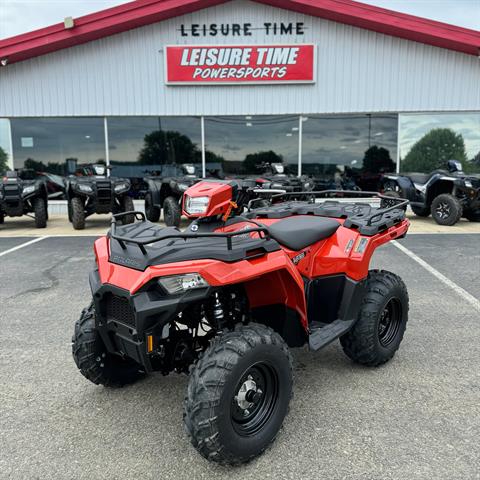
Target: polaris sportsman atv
pixel 166 192
pixel 23 197
pixel 447 195
pixel 225 300
pixel 92 191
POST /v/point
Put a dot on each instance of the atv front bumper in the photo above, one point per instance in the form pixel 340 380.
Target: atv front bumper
pixel 124 321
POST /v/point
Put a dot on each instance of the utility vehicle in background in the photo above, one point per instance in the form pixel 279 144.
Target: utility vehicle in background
pixel 225 300
pixel 447 195
pixel 90 190
pixel 165 192
pixel 23 197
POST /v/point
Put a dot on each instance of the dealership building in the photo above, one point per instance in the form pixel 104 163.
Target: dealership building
pixel 325 86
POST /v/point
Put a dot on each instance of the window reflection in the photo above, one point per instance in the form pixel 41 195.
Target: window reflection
pixel 5 153
pixel 57 145
pixel 241 144
pixel 427 142
pixel 353 150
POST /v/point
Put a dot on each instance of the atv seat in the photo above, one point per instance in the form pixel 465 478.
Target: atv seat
pixel 299 232
pixel 423 178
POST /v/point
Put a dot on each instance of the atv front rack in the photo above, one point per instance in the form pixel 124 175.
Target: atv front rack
pixel 402 202
pixel 263 233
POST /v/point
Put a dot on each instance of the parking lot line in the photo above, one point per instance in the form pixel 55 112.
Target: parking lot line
pixel 26 244
pixel 463 293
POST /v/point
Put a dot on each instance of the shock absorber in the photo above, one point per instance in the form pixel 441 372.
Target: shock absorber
pixel 218 313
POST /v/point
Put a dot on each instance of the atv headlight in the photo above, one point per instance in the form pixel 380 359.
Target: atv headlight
pixel 468 184
pixel 197 205
pixel 182 187
pixel 121 187
pixel 28 189
pixel 182 283
pixel 83 187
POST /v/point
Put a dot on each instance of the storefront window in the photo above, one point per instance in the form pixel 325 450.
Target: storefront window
pixel 140 145
pixel 428 141
pixel 245 144
pixel 349 150
pixel 5 145
pixel 57 145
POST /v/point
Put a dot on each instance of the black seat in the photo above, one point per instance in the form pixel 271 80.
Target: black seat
pixel 300 232
pixel 423 178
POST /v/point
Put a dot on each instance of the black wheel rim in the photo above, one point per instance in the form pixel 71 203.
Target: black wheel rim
pixel 443 210
pixel 389 322
pixel 254 400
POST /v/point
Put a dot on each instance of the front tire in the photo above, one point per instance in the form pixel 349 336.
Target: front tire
pixel 92 359
pixel 171 212
pixel 238 395
pixel 77 213
pixel 40 211
pixel 128 206
pixel 382 320
pixel 151 211
pixel 2 218
pixel 446 209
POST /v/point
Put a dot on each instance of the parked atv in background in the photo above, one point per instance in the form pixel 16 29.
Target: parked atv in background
pixel 165 191
pixel 23 197
pixel 447 195
pixel 226 299
pixel 92 191
pixel 273 176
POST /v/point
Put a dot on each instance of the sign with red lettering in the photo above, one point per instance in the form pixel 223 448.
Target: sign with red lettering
pixel 239 64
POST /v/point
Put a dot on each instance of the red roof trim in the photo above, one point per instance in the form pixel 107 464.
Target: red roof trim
pixel 144 12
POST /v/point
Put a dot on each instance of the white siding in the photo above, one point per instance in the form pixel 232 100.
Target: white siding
pixel 358 71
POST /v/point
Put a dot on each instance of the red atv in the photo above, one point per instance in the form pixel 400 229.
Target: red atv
pixel 226 299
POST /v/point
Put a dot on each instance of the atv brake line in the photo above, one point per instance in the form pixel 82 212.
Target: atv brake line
pixel 445 280
pixel 22 245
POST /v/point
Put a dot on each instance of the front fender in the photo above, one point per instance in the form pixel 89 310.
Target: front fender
pixel 270 279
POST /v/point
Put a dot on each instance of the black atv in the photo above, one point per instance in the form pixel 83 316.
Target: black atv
pixel 165 190
pixel 275 178
pixel 23 197
pixel 447 195
pixel 90 190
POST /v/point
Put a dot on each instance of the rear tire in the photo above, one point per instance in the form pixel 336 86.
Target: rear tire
pixel 40 211
pixel 446 209
pixel 93 360
pixel 77 211
pixel 472 215
pixel 385 203
pixel 151 211
pixel 128 206
pixel 238 395
pixel 420 211
pixel 382 320
pixel 171 212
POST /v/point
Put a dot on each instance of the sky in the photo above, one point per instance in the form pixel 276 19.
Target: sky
pixel 19 16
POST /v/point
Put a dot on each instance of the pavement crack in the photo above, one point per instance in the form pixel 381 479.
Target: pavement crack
pixel 48 273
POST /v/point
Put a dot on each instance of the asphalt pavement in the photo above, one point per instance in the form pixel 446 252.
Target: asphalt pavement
pixel 417 417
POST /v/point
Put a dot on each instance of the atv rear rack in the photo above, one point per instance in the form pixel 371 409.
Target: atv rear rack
pixel 402 202
pixel 122 240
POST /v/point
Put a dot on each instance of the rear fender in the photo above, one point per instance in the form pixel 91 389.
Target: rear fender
pixel 348 252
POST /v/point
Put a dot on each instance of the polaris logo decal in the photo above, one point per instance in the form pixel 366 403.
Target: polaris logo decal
pixel 296 259
pixel 129 262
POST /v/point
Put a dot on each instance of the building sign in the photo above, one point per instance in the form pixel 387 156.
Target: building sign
pixel 239 64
